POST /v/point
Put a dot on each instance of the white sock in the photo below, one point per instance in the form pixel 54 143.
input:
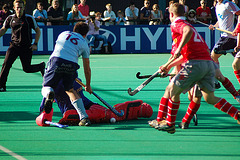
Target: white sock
pixel 79 106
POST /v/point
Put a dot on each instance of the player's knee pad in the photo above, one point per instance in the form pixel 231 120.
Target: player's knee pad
pixel 145 111
pixel 46 90
pixel 97 114
pixel 70 117
pixel 40 120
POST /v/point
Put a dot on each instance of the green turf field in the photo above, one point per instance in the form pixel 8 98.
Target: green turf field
pixel 217 135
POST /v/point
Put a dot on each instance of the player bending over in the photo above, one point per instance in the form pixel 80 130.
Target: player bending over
pixel 96 113
pixel 63 66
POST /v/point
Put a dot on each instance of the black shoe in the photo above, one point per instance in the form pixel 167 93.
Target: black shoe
pixel 43 68
pixel 217 85
pixel 183 125
pixel 48 102
pixel 3 89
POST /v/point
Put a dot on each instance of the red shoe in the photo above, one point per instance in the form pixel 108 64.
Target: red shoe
pixel 40 120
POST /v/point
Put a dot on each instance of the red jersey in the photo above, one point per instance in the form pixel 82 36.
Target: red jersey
pixel 195 48
pixel 83 9
pixel 203 13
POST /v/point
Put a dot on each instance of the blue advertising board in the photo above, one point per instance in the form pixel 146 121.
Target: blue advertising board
pixel 124 39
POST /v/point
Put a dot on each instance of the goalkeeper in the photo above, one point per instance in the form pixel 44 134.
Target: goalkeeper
pixel 96 113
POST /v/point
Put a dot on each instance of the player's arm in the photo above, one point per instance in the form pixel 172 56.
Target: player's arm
pixel 3 31
pixel 37 37
pixel 186 36
pixel 87 72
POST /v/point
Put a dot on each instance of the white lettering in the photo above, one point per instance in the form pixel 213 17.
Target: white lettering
pixel 124 39
pixel 153 38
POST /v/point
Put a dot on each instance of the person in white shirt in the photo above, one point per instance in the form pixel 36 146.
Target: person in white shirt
pixel 131 13
pixel 40 14
pixel 63 66
pixel 109 15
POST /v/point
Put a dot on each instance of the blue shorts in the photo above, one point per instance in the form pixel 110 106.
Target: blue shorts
pixel 224 44
pixel 60 70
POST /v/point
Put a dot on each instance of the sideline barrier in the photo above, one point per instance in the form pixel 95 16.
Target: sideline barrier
pixel 124 39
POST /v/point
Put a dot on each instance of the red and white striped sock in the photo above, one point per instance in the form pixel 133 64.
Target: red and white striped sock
pixel 226 107
pixel 237 74
pixel 192 109
pixel 229 86
pixel 172 112
pixel 162 110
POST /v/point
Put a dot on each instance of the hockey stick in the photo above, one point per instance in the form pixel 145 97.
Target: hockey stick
pixel 147 76
pixel 56 124
pixel 103 101
pixel 214 27
pixel 141 86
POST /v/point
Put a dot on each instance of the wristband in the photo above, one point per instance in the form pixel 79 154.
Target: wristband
pixel 35 43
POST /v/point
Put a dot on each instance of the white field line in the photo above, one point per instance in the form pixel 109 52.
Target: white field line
pixel 12 153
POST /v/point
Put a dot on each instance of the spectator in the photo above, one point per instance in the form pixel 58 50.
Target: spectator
pixel 120 20
pixel 131 13
pixel 55 13
pixel 93 34
pixel 213 13
pixel 166 19
pixel 145 13
pixel 185 6
pixel 109 15
pixel 4 13
pixel 40 14
pixel 156 15
pixel 75 15
pixel 191 18
pixel 203 12
pixel 84 8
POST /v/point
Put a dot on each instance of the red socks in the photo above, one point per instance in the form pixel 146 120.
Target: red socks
pixel 237 74
pixel 229 86
pixel 192 109
pixel 226 107
pixel 172 112
pixel 162 110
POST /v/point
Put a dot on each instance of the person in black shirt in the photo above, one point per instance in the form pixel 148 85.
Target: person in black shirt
pixel 21 42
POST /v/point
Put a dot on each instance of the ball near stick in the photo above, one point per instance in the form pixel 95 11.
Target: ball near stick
pixel 112 120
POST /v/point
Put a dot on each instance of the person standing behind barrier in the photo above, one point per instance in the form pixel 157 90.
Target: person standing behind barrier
pixel 4 13
pixel 145 13
pixel 84 8
pixel 75 15
pixel 93 34
pixel 21 44
pixel 40 14
pixel 204 12
pixel 55 13
pixel 109 15
pixel 131 13
pixel 156 15
pixel 120 20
